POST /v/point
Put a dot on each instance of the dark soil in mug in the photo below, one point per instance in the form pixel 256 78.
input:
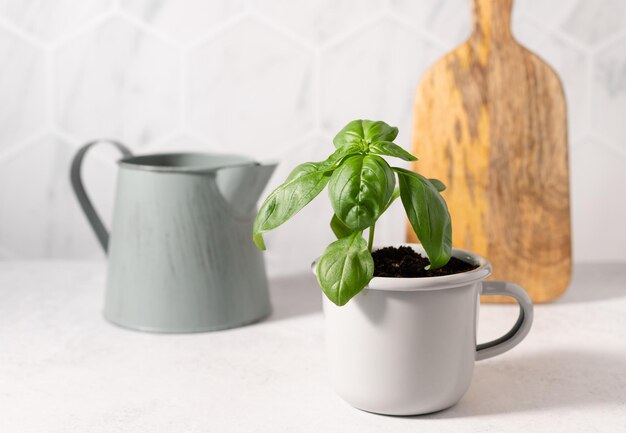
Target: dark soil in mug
pixel 404 262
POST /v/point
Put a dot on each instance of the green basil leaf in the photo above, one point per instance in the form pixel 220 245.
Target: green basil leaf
pixel 378 131
pixel 302 170
pixel 438 184
pixel 339 228
pixel 338 155
pixel 391 149
pixel 365 132
pixel 304 183
pixel 351 134
pixel 428 215
pixel 394 196
pixel 359 189
pixel 345 268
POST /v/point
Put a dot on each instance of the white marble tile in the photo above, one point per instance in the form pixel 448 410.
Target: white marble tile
pixel 374 75
pixel 570 63
pixel 318 21
pixel 116 81
pixel 447 20
pixel 592 22
pixel 609 92
pixel 183 20
pixel 311 148
pixel 21 90
pixel 251 90
pixel 47 20
pixel 598 174
pixel 548 13
pixel 39 216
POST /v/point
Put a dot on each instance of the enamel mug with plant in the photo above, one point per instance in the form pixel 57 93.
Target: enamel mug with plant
pixel 361 187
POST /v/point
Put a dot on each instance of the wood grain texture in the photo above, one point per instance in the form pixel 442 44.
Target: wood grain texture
pixel 490 121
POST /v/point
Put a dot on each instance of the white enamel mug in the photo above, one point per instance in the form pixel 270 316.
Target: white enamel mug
pixel 407 346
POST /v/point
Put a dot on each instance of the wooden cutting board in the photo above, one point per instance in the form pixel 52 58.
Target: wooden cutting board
pixel 490 122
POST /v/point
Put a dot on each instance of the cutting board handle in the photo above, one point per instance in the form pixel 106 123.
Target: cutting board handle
pixel 491 21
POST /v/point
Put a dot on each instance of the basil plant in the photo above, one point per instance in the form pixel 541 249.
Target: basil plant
pixel 361 187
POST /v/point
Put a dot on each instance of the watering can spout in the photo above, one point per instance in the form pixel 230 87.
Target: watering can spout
pixel 242 186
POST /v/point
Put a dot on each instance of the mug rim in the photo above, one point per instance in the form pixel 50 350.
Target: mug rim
pixel 405 284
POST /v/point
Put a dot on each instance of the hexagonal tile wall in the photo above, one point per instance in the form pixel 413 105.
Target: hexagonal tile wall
pixel 21 90
pixel 447 20
pixel 198 16
pixel 548 13
pixel 609 92
pixel 41 217
pixel 270 78
pixel 373 74
pixel 117 81
pixel 596 21
pixel 263 78
pixel 596 171
pixel 311 20
pixel 49 20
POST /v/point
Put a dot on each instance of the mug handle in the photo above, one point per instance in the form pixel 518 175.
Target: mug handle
pixel 81 194
pixel 521 327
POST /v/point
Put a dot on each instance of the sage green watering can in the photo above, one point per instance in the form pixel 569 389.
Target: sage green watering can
pixel 181 256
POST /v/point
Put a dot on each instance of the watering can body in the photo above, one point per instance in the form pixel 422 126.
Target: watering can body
pixel 180 253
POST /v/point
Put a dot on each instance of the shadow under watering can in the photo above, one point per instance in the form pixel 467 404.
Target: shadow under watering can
pixel 181 256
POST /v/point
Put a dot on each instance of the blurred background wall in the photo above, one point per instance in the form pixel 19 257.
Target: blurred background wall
pixel 274 79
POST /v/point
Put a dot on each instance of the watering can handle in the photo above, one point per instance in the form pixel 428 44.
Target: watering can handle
pixel 81 195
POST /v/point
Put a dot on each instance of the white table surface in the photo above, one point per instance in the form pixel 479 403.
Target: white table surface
pixel 63 368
